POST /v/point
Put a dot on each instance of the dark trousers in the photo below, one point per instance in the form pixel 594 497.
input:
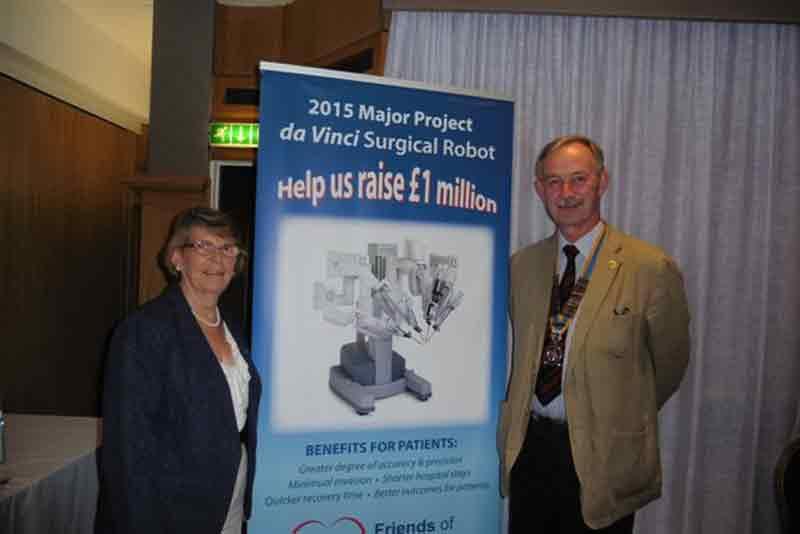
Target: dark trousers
pixel 545 492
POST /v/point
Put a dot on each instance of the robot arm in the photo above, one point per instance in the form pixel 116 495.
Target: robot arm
pixel 382 308
pixel 438 290
pixel 444 311
pixel 398 306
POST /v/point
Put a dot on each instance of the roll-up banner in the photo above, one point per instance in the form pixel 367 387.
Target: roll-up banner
pixel 379 304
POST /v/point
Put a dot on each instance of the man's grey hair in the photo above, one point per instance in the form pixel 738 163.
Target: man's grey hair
pixel 565 140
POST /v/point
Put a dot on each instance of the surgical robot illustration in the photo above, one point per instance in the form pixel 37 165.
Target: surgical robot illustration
pixel 378 294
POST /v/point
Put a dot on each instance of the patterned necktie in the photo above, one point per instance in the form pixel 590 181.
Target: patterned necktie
pixel 568 280
pixel 548 381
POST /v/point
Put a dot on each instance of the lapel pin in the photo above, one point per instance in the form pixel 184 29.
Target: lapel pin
pixel 612 264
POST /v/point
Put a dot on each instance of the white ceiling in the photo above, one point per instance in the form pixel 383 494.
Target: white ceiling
pixel 128 23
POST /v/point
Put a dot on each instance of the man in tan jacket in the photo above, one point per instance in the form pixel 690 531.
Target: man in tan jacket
pixel 601 341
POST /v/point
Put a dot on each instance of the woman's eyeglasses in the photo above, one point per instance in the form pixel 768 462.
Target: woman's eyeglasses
pixel 207 248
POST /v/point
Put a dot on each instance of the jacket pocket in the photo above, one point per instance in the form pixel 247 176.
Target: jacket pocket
pixel 616 337
pixel 633 463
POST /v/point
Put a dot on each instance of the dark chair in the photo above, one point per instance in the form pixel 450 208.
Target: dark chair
pixel 787 487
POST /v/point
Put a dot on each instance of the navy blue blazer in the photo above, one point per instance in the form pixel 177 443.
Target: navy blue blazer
pixel 171 447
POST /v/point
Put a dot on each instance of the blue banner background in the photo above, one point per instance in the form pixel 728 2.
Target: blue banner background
pixel 430 466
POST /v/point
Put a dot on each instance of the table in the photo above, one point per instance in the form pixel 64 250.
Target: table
pixel 52 470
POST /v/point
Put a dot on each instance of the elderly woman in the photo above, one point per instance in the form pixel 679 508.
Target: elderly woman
pixel 181 397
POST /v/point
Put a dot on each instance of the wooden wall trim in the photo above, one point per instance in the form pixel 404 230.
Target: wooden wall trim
pixel 190 184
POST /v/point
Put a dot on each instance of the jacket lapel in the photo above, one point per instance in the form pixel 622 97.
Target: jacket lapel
pixel 199 356
pixel 609 262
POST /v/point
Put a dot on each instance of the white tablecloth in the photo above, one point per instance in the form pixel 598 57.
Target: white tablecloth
pixel 52 471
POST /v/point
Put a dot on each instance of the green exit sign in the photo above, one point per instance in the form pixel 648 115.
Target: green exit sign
pixel 233 134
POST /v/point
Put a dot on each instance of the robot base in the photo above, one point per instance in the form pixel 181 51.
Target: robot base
pixel 354 380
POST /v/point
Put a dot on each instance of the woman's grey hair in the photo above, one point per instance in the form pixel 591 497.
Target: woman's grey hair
pixel 215 221
pixel 565 140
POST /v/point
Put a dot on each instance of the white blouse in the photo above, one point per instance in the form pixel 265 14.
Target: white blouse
pixel 238 377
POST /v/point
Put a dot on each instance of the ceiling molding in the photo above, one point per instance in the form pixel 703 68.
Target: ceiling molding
pixel 27 70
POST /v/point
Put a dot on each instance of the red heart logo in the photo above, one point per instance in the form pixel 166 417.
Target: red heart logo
pixel 341 521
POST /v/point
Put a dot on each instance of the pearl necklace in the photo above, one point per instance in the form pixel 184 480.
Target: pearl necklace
pixel 212 324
